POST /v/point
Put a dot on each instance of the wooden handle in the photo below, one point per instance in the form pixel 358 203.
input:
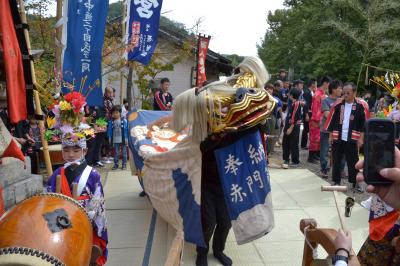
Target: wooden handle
pixel 334 188
pixel 338 210
pixel 58 184
pixel 75 190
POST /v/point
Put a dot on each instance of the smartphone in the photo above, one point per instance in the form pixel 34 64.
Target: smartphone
pixel 379 147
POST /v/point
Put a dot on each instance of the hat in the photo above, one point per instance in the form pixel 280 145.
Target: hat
pixel 68 123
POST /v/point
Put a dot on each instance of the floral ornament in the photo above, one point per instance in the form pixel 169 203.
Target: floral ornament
pixel 65 106
pixel 68 121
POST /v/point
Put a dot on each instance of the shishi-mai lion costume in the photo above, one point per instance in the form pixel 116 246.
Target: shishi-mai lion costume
pixel 172 179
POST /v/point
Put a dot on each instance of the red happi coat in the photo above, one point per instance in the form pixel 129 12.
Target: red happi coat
pixel 316 117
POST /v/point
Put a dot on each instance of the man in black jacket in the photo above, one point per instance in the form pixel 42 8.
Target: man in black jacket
pixel 345 124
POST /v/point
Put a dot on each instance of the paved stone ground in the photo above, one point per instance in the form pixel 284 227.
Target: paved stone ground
pixel 276 161
pixel 296 194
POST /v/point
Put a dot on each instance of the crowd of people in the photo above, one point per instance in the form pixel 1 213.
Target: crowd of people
pixel 327 119
pixel 323 118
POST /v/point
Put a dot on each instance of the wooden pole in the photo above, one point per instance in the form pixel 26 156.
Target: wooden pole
pixel 58 184
pixel 335 189
pixel 75 191
pixel 174 254
pixel 338 211
pixel 121 73
pixel 38 108
pixel 59 35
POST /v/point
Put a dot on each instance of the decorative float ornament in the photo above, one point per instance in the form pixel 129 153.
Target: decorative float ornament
pixel 390 82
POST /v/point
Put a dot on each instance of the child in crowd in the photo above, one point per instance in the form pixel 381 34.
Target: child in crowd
pixel 117 133
pixel 291 130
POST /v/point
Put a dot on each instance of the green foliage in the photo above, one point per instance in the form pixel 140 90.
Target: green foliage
pixel 41 34
pixel 332 37
pixel 235 59
pixel 115 10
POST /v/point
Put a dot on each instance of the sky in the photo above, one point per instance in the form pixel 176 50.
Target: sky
pixel 235 26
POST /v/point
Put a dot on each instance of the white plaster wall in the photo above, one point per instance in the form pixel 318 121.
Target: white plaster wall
pixel 179 77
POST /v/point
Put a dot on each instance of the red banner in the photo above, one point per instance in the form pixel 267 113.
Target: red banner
pixel 202 48
pixel 16 93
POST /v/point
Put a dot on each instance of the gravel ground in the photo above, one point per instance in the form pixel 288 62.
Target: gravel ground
pixel 276 161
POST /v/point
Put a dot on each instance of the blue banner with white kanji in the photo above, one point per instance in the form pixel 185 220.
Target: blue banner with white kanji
pixel 84 23
pixel 143 22
pixel 243 172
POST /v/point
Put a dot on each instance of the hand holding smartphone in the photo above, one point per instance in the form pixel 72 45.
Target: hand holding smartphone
pixel 379 147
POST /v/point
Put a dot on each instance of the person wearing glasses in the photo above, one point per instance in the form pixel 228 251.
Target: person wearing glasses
pixel 345 124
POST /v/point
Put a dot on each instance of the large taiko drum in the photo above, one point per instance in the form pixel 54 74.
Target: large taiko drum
pixel 46 229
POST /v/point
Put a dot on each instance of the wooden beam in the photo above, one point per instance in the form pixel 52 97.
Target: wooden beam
pixel 38 108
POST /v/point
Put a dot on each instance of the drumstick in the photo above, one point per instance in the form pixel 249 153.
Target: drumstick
pixel 58 184
pixel 338 211
pixel 335 189
pixel 75 190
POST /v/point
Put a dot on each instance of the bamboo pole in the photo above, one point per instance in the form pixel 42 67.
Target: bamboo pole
pixel 38 108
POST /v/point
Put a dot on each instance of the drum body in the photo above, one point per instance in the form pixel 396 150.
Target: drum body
pixel 49 227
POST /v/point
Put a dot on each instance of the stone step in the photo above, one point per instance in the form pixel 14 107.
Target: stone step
pixel 13 170
pixel 16 181
pixel 17 192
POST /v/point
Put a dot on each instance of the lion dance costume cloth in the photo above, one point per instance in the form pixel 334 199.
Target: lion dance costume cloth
pixel 217 175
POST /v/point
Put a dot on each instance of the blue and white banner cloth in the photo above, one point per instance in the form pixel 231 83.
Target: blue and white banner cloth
pixel 138 132
pixel 245 181
pixel 172 180
pixel 83 36
pixel 142 31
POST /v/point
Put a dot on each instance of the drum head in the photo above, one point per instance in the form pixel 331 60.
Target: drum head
pixel 26 257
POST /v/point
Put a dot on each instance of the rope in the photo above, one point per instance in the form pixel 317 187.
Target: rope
pixel 380 68
pixel 314 250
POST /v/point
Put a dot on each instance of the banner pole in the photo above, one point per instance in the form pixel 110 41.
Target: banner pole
pixel 59 35
pixel 121 72
pixel 38 108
